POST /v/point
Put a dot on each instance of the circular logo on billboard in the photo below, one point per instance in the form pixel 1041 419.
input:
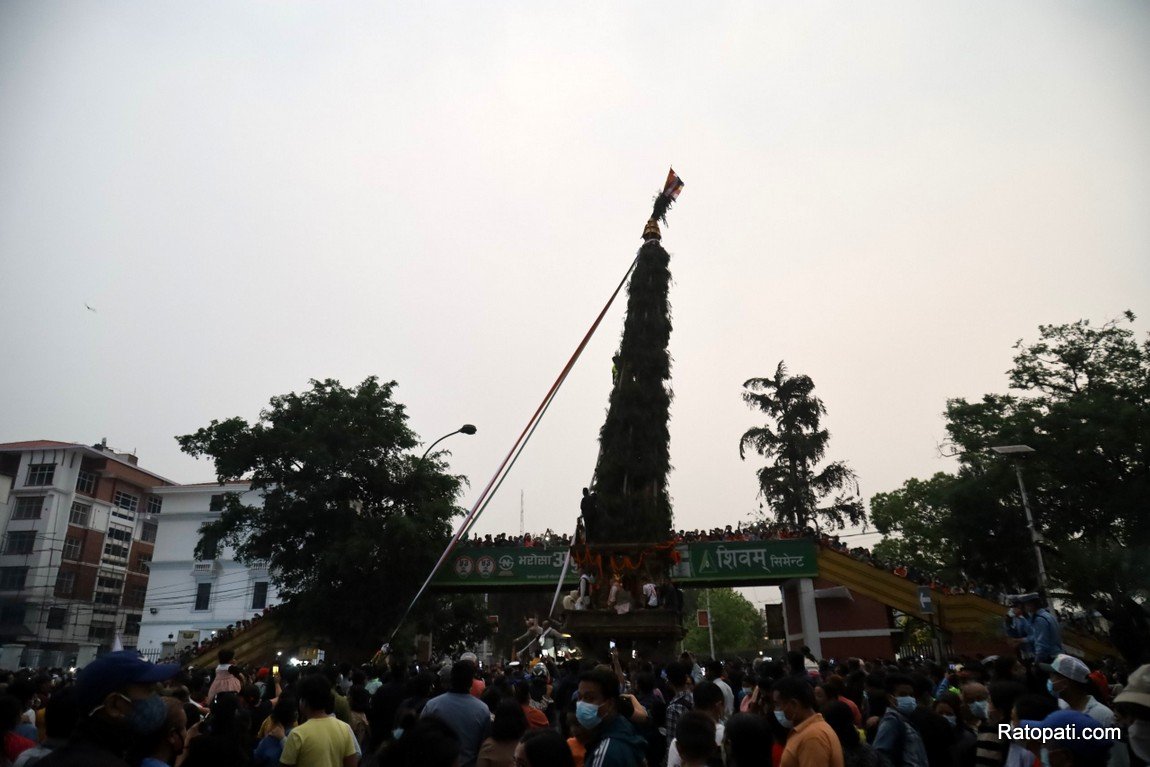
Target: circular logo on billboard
pixel 506 562
pixel 464 566
pixel 486 566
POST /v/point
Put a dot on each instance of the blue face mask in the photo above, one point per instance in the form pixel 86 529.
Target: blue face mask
pixel 397 733
pixel 147 714
pixel 979 709
pixel 587 714
pixel 951 719
pixel 783 719
pixel 905 703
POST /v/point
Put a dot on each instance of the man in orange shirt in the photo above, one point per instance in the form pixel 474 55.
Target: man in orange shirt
pixel 812 742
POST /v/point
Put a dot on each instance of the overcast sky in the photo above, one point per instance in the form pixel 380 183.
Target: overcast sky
pixel 887 195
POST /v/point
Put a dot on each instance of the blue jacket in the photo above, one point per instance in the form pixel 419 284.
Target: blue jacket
pixel 1044 636
pixel 616 745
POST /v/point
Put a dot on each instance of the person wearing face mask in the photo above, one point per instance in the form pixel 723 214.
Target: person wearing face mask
pixel 1070 683
pixel 119 704
pixel 709 702
pixel 949 707
pixel 812 742
pixel 896 739
pixel 993 747
pixel 612 741
pixel 1133 707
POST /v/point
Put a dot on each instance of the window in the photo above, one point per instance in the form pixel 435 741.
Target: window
pixel 80 514
pixel 57 618
pixel 65 583
pixel 203 596
pixel 28 507
pixel 148 532
pixel 113 551
pixel 13 578
pixel 12 614
pixel 132 624
pixel 107 581
pixel 209 547
pixel 260 595
pixel 143 563
pixel 107 598
pixel 135 595
pixel 119 534
pixel 86 482
pixel 155 504
pixel 71 548
pixel 126 501
pixel 40 474
pixel 217 503
pixel 98 632
pixel 21 542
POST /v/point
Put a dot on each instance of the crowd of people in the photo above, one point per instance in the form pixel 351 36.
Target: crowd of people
pixel 797 711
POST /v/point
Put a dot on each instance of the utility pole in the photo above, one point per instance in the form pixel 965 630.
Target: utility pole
pixel 710 624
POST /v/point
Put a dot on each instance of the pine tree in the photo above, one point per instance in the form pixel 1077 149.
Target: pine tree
pixel 631 474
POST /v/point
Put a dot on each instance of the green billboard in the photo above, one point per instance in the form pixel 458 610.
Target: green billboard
pixel 728 562
pixel 707 562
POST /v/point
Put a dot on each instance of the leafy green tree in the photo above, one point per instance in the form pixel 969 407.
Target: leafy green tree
pixel 794 445
pixel 1081 399
pixel 351 521
pixel 634 452
pixel 738 626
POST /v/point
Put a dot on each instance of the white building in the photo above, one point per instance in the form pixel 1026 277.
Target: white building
pixel 189 598
pixel 79 522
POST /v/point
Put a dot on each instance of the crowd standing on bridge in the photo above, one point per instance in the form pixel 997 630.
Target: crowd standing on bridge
pixel 795 711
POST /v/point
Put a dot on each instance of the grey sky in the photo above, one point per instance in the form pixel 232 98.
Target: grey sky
pixel 885 195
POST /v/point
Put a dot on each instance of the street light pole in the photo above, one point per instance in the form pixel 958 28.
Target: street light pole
pixel 464 429
pixel 1016 450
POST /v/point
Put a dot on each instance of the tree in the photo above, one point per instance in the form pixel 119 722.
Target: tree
pixel 794 445
pixel 1082 401
pixel 351 521
pixel 737 624
pixel 634 451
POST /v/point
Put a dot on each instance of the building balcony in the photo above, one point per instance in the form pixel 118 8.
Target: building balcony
pixel 206 567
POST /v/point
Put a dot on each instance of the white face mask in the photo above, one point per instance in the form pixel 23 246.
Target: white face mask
pixel 1139 736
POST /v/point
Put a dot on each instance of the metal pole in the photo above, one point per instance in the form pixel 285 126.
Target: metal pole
pixel 710 625
pixel 1033 532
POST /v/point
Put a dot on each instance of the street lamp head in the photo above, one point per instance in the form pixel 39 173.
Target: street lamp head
pixel 1012 449
pixel 467 429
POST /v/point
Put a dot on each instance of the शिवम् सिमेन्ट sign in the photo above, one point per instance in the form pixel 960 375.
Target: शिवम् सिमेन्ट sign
pixel 705 561
pixel 746 560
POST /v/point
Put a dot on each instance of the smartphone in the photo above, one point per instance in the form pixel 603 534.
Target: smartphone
pixel 611 644
pixel 275 670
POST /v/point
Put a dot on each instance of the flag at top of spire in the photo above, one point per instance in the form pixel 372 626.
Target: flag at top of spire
pixel 663 202
pixel 673 186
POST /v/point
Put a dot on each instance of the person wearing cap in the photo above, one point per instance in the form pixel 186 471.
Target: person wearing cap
pixel 1069 682
pixel 1073 748
pixel 1133 708
pixel 119 703
pixel 1044 635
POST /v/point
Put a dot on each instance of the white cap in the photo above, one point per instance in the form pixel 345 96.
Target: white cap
pixel 1069 667
pixel 469 656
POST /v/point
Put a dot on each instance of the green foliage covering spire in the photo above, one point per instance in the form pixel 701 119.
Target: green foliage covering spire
pixel 634 457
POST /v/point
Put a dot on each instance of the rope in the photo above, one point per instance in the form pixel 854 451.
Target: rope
pixel 516 450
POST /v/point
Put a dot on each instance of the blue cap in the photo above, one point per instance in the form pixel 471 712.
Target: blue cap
pixel 116 670
pixel 1072 723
